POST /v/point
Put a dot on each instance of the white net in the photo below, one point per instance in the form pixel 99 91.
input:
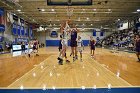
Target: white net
pixel 69 12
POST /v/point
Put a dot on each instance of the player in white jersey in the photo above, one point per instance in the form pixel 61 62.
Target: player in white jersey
pixel 80 46
pixel 65 36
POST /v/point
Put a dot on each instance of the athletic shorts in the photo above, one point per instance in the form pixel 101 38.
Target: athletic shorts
pixel 60 47
pixel 34 48
pixel 138 49
pixel 73 43
pixel 64 43
pixel 92 47
pixel 79 49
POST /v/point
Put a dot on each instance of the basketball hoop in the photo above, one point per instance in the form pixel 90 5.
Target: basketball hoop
pixel 69 2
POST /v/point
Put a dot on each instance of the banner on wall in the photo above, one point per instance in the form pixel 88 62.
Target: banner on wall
pixel 1 38
pixel 26 32
pixel 22 31
pixel 2 28
pixel 54 34
pixel 1 11
pixel 31 32
pixel 18 31
pixel 2 21
pixel 14 29
pixel 101 33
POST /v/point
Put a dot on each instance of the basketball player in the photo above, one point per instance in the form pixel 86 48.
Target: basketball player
pixel 35 47
pixel 29 47
pixel 73 42
pixel 60 47
pixel 65 29
pixel 92 46
pixel 23 47
pixel 79 46
pixel 137 45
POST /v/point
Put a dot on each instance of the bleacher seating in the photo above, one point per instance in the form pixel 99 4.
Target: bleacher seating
pixel 120 39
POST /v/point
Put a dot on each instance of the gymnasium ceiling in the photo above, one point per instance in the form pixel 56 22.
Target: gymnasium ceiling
pixel 101 13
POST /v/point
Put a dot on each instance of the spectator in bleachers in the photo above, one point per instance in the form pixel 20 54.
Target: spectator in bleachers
pixel 23 47
pixel 120 39
pixel 8 46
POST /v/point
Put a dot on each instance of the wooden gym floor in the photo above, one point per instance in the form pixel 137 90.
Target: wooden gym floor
pixel 115 69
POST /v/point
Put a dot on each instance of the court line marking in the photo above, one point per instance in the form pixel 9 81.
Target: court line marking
pixel 111 72
pixel 28 72
pixel 69 87
pixel 64 87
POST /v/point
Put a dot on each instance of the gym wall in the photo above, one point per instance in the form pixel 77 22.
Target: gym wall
pixel 44 36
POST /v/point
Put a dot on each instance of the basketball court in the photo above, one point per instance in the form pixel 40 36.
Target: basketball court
pixel 30 34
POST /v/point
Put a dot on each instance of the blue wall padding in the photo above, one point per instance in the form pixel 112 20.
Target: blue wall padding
pixel 52 42
pixel 56 42
pixel 85 42
pixel 94 33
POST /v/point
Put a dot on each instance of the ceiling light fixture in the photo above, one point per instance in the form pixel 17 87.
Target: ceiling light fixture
pixel 14 14
pixel 52 10
pixel 18 10
pixel 94 9
pixel 83 9
pixel 118 19
pixel 138 10
pixel 42 10
pixel 109 9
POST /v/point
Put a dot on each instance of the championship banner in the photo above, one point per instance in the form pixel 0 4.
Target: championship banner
pixel 18 30
pixel 31 32
pixel 2 28
pixel 22 31
pixel 14 29
pixel 1 38
pixel 26 32
pixel 1 11
pixel 2 20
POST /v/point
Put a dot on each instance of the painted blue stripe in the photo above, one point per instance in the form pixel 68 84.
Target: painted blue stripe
pixel 100 90
pixel 52 42
pixel 56 42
